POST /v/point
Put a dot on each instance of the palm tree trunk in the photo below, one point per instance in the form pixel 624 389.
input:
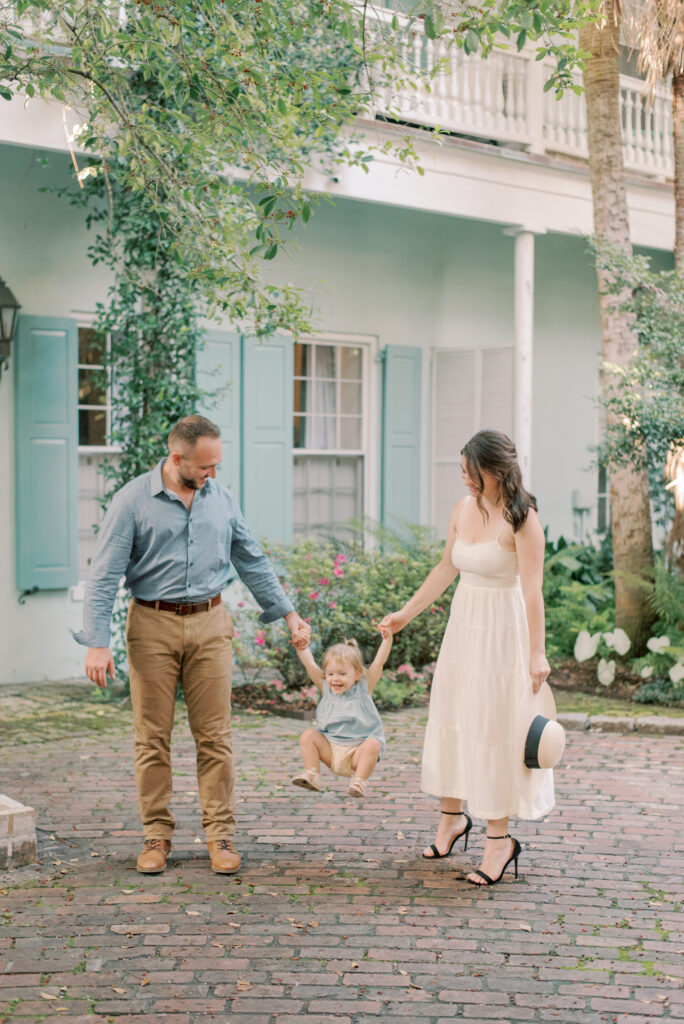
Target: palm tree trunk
pixel 629 492
pixel 675 468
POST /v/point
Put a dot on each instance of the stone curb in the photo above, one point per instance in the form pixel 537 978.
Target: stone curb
pixel 652 725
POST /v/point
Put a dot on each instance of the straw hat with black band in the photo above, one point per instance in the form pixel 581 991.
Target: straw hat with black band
pixel 540 739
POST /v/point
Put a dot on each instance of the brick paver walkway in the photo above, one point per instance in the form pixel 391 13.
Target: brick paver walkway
pixel 334 916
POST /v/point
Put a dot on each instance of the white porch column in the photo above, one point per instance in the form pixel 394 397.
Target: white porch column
pixel 523 342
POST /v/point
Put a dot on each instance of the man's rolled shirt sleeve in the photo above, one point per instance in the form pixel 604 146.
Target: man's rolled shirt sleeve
pixel 256 572
pixel 109 564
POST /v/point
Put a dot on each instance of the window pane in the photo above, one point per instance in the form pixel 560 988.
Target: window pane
pixel 302 395
pixel 300 431
pixel 324 433
pixel 350 432
pixel 325 361
pixel 302 360
pixel 350 398
pixel 91 347
pixel 350 363
pixel 92 426
pixel 92 387
pixel 325 397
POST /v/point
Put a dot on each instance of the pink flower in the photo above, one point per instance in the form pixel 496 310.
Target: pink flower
pixel 313 595
pixel 260 639
pixel 338 572
pixel 324 581
pixel 408 670
pixel 333 604
pixel 241 604
pixel 340 558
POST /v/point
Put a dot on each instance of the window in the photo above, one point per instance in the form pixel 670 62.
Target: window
pixel 472 389
pixel 329 437
pixel 94 405
pixel 603 501
pixel 94 426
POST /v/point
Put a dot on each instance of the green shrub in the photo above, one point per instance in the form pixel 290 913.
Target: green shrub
pixel 579 594
pixel 344 590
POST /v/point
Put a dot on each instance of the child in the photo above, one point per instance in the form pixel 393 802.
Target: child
pixel 349 738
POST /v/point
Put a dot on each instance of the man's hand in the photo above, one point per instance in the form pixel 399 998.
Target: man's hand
pixel 299 630
pixel 98 661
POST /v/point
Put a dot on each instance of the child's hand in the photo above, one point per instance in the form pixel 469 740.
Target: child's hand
pixel 386 632
pixel 300 643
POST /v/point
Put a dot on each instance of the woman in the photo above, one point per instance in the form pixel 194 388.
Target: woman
pixel 492 648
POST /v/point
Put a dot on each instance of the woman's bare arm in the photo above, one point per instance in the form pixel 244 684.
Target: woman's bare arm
pixel 530 545
pixel 435 583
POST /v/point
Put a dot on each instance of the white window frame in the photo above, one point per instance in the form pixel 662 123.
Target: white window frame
pixel 87 321
pixel 370 425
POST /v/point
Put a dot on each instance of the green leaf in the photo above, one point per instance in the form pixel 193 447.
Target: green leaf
pixel 271 252
pixel 472 42
pixel 522 39
pixel 429 26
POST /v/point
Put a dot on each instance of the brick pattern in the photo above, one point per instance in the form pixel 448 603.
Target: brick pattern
pixel 334 917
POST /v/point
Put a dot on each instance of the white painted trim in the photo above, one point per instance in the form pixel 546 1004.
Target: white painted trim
pixel 370 438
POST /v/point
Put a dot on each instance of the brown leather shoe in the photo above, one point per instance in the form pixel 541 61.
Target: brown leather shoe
pixel 152 857
pixel 225 860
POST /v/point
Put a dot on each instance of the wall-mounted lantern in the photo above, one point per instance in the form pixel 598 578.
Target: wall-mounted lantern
pixel 9 307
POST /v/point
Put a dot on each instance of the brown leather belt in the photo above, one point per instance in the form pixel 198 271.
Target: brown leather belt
pixel 180 609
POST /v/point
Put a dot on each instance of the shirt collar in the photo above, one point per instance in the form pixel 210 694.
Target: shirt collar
pixel 156 481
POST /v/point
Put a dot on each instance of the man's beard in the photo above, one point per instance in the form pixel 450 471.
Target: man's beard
pixel 191 484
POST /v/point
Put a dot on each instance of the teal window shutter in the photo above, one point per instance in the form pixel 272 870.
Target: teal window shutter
pixel 218 373
pixel 45 358
pixel 401 392
pixel 267 398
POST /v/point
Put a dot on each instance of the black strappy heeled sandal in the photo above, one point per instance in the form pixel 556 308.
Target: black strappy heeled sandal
pixel 436 855
pixel 513 857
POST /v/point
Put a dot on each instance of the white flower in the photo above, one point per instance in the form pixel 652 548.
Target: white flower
pixel 585 645
pixel 646 672
pixel 605 672
pixel 658 643
pixel 618 641
pixel 677 672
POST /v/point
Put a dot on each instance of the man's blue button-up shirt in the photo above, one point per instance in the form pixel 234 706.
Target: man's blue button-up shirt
pixel 170 553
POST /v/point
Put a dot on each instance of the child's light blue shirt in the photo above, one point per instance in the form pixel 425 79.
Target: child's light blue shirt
pixel 349 718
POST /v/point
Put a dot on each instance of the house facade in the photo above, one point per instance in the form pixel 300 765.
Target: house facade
pixel 461 299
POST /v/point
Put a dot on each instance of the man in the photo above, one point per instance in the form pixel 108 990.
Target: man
pixel 173 533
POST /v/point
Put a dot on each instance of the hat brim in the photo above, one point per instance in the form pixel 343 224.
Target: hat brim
pixel 529 780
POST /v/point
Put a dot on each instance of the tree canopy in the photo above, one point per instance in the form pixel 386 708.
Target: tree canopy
pixel 214 109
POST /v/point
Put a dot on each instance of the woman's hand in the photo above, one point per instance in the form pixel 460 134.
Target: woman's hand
pixel 539 669
pixel 395 622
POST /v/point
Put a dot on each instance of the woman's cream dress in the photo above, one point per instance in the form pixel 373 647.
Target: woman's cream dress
pixel 482 672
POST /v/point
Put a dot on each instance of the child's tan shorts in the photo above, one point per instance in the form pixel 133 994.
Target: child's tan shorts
pixel 341 758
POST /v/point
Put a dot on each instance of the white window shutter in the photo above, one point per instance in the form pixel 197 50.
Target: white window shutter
pixel 496 401
pixel 454 412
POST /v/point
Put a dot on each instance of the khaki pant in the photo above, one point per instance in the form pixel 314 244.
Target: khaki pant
pixel 164 648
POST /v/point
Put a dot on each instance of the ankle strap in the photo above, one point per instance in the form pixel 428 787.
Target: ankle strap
pixel 507 836
pixel 452 813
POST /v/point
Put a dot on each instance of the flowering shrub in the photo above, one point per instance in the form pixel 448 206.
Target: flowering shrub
pixel 344 590
pixel 662 667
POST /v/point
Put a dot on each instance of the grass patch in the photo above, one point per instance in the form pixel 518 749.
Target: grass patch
pixel 594 704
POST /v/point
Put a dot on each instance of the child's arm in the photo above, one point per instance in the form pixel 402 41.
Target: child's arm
pixel 314 673
pixel 375 670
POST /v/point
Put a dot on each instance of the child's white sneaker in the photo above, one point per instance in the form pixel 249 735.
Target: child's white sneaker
pixel 309 779
pixel 357 786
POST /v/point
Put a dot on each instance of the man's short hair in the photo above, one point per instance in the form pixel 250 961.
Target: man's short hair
pixel 191 428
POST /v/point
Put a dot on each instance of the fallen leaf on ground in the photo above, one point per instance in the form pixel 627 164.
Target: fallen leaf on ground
pixel 121 991
pixel 128 891
pixel 145 981
pixel 192 913
pixel 524 926
pixel 47 995
pixel 405 973
pixel 243 986
pixel 400 835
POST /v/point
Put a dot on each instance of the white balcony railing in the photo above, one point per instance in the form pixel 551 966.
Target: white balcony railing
pixel 502 99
